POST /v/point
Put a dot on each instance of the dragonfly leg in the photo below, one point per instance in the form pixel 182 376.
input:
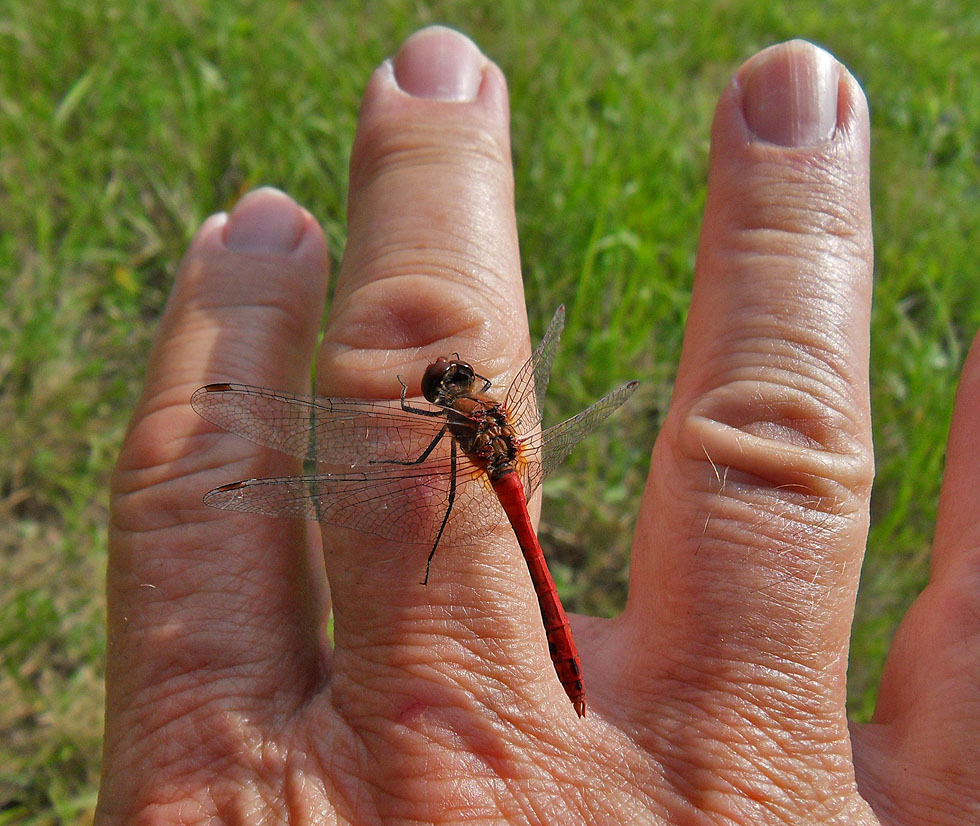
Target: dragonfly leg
pixel 449 509
pixel 418 411
pixel 487 384
pixel 420 459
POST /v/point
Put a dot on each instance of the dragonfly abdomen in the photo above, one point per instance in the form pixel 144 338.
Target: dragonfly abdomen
pixel 561 644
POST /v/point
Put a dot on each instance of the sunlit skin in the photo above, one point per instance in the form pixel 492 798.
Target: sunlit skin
pixel 717 696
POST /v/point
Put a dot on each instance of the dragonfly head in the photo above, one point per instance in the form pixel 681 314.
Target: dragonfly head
pixel 445 379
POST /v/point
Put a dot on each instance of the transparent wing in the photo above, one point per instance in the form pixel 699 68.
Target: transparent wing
pixel 336 432
pixel 525 396
pixel 356 440
pixel 401 503
pixel 559 440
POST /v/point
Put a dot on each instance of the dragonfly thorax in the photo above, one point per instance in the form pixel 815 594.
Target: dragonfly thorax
pixel 482 429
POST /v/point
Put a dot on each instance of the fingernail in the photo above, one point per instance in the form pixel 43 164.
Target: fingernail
pixel 790 94
pixel 440 64
pixel 265 220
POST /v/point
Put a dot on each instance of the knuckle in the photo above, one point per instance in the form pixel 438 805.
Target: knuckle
pixel 787 437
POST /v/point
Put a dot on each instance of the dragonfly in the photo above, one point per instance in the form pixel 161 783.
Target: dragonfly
pixel 446 470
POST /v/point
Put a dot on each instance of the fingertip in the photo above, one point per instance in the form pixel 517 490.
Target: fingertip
pixel 247 299
pixel 789 94
pixel 441 64
pixel 792 96
pixel 438 70
pixel 266 220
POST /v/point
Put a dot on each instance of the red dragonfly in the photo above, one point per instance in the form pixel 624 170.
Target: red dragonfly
pixel 418 473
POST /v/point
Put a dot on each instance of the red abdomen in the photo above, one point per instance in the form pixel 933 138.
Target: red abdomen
pixel 561 645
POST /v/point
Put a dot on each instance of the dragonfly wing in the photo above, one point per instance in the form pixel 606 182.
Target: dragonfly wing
pixel 525 396
pixel 401 503
pixel 558 441
pixel 341 433
pixel 529 469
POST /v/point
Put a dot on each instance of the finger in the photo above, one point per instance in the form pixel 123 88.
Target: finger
pixel 927 719
pixel 198 595
pixel 431 268
pixel 957 547
pixel 432 258
pixel 754 520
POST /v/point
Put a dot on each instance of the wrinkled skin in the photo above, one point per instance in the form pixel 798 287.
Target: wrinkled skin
pixel 718 695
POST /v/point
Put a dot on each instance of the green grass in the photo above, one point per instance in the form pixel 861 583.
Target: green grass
pixel 122 125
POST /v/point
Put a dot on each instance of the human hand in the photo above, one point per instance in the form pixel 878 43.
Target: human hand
pixel 718 695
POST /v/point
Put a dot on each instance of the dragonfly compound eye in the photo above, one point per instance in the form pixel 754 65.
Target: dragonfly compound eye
pixel 462 377
pixel 445 379
pixel 435 377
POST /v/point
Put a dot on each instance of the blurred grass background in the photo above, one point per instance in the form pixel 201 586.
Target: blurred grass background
pixel 123 125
